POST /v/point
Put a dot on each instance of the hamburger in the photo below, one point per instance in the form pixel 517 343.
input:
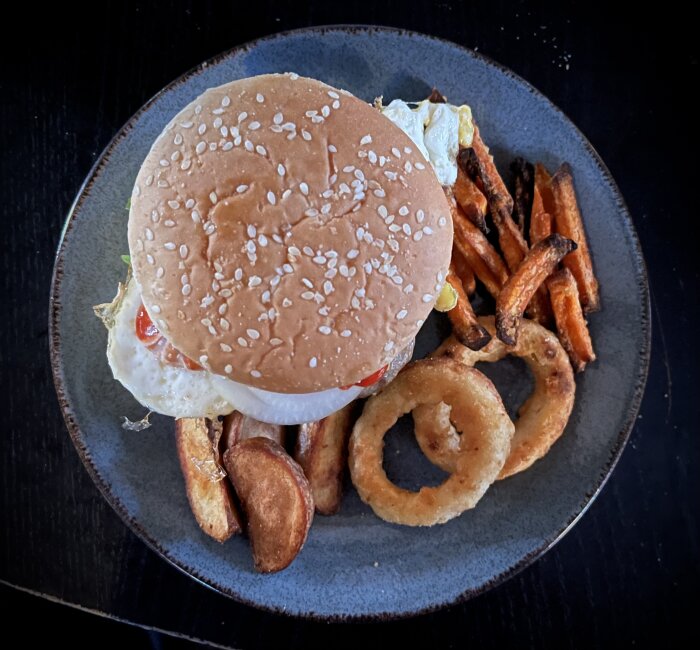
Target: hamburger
pixel 287 241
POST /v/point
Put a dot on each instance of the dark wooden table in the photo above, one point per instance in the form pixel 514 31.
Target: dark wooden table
pixel 626 573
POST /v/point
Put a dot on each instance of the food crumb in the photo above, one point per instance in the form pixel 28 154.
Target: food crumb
pixel 375 565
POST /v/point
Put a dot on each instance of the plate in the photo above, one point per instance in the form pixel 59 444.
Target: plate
pixel 354 565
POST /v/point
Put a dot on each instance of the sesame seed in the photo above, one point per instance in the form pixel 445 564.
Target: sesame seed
pixel 225 100
pixel 327 288
pixel 427 297
pixel 168 223
pixel 238 274
pixel 353 253
pixel 160 271
pixel 275 341
pixel 266 296
pixel 201 129
pixel 372 157
pixel 169 246
pixel 408 288
pixel 390 175
pixel 178 139
pixel 255 373
pixel 212 146
pixel 252 231
pixel 261 150
pixel 250 246
pixel 242 116
pixel 427 230
pixel 397 279
pixel 248 145
pixel 326 208
pixel 306 135
pixel 217 123
pixel 324 329
pixel 394 227
pixel 325 111
pixel 333 95
pixel 407 149
pixel 388 346
pixel 183 251
pixel 396 152
pixel 408 167
pixel 272 199
pixel 228 368
pixel 317 119
pixel 260 99
pixel 367 139
pixel 335 104
pixel 294 251
pixel 442 222
pixel 186 125
pixel 286 302
pixel 223 308
pixel 332 148
pixel 254 281
pixel 238 140
pixel 164 163
pixel 403 210
pixel 241 188
pixel 407 229
pixel 313 362
pixel 308 283
pixel 262 240
pixel 307 295
pixel 304 188
pixel 225 293
pixel 319 259
pixel 346 333
pixel 310 113
pixel 281 170
pixel 355 303
pixel 254 334
pixel 418 235
pixel 278 118
pixel 242 342
pixel 419 165
pixel 201 147
pixel 186 289
pixel 149 234
pixel 277 238
pixel 150 259
pixel 309 251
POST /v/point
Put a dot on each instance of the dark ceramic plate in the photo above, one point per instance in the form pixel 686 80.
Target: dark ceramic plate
pixel 354 564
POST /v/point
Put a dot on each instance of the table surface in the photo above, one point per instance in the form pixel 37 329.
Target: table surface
pixel 630 567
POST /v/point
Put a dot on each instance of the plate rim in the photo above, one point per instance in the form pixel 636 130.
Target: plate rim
pixel 77 437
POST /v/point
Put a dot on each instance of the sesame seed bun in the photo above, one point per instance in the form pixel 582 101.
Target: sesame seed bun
pixel 286 235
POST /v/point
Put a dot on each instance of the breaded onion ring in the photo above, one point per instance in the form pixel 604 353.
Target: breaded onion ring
pixel 541 419
pixel 475 403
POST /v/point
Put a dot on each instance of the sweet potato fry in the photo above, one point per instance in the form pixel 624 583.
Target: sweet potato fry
pixel 540 308
pixel 571 325
pixel 465 325
pixel 540 219
pixel 481 256
pixel 471 200
pixel 568 222
pixel 479 163
pixel 524 181
pixel 521 286
pixel 238 427
pixel 276 497
pixel 543 182
pixel 208 491
pixel 464 271
pixel 321 450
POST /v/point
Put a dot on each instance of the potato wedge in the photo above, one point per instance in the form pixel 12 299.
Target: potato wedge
pixel 465 325
pixel 276 498
pixel 568 223
pixel 571 324
pixel 238 427
pixel 208 491
pixel 471 199
pixel 322 450
pixel 521 286
pixel 523 181
pixel 481 256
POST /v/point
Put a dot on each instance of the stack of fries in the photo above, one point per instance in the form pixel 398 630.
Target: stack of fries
pixel 543 269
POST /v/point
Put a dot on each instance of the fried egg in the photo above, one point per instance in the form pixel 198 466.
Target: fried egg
pixel 183 393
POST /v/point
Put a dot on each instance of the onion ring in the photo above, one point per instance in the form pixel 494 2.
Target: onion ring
pixel 541 419
pixel 474 402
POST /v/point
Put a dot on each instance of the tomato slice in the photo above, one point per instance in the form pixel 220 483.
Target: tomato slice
pixel 150 336
pixel 146 331
pixel 369 380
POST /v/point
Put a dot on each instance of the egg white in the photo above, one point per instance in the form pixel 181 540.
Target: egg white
pixel 183 393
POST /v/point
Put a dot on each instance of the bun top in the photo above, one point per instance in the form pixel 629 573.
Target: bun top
pixel 286 235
